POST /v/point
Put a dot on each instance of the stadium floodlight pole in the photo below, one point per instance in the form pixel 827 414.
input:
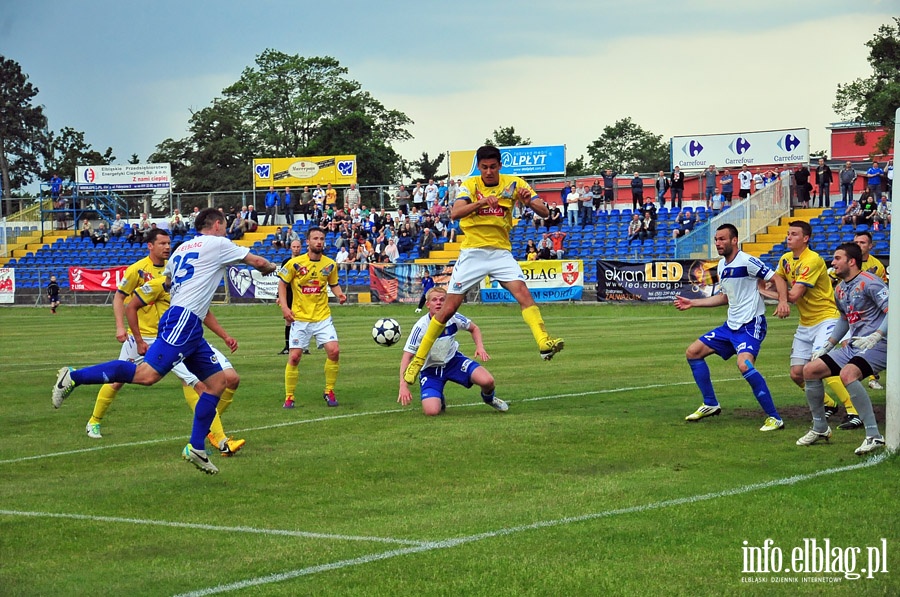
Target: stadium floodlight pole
pixel 892 408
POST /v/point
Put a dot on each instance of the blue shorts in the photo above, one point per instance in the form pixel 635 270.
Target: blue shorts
pixel 180 340
pixel 459 370
pixel 727 342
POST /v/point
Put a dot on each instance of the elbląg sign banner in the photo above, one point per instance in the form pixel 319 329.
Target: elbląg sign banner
pixel 298 172
pixel 123 177
pixel 547 280
pixel 697 152
pixel 523 160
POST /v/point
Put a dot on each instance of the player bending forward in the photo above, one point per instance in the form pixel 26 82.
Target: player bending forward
pixel 444 362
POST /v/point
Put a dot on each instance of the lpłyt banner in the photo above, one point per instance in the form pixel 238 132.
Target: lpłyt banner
pixel 547 280
pixel 299 172
pixel 523 160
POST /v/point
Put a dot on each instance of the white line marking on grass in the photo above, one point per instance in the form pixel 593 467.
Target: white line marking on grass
pixel 448 543
pixel 209 527
pixel 349 416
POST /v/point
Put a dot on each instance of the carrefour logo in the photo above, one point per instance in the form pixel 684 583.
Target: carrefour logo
pixel 89 175
pixel 345 167
pixel 739 145
pixel 789 142
pixel 263 170
pixel 692 148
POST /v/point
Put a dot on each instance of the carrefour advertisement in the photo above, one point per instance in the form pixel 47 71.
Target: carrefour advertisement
pixel 300 172
pixel 523 160
pixel 548 280
pixel 656 281
pixel 698 152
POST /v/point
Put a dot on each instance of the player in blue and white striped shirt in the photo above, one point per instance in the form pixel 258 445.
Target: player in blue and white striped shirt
pixel 740 277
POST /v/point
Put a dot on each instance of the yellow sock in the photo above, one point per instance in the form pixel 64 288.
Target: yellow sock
pixel 291 375
pixel 104 398
pixel 190 396
pixel 216 432
pixel 434 331
pixel 331 374
pixel 836 388
pixel 225 401
pixel 532 316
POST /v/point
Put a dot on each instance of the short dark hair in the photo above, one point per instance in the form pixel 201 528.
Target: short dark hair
pixel 487 152
pixel 314 229
pixel 853 252
pixel 865 233
pixel 730 227
pixel 153 233
pixel 207 218
pixel 804 226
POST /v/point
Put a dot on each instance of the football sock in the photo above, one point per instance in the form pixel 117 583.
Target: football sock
pixel 864 404
pixel 291 375
pixel 112 371
pixel 434 331
pixel 331 374
pixel 217 433
pixel 532 316
pixel 701 375
pixel 815 393
pixel 204 413
pixel 835 387
pixel 488 398
pixel 226 400
pixel 105 397
pixel 761 391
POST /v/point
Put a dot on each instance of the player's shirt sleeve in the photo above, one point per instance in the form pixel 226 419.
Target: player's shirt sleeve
pixel 149 292
pixel 332 272
pixel 416 334
pixel 230 252
pixel 131 279
pixel 462 322
pixel 759 269
pixel 878 293
pixel 811 269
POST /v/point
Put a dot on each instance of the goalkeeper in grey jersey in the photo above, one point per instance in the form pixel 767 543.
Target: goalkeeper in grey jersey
pixel 862 299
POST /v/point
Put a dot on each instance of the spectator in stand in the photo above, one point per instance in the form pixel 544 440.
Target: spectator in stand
pixel 564 197
pixel 531 251
pixel 405 240
pixel 135 237
pixel 637 191
pixel 426 243
pixel 890 180
pixel 251 220
pixel 545 246
pixel 554 219
pixel 118 226
pixel 55 187
pixel 452 230
pixel 391 253
pixel 431 194
pixel 883 213
pixel 235 230
pixel 452 190
pixel 342 257
pixel 557 238
pixel 759 180
pixel 330 197
pixel 177 225
pixel 648 226
pixel 287 205
pixel 676 183
pixel 873 182
pixel 685 220
pixel 442 193
pixel 352 198
pixel 635 229
pixel 772 177
pixel 868 209
pixel 662 186
pixel 609 188
pixel 86 229
pixel 823 181
pixel 597 196
pixel 649 215
pixel 100 236
pixel 716 202
pixel 853 211
pixel 272 201
pixel 283 238
pixel 801 177
pixel 572 201
pixel 745 181
pixel 193 218
pixel 586 211
pixel 727 182
pixel 418 196
pixel 145 224
pixel 709 181
pixel 318 196
pixel 306 207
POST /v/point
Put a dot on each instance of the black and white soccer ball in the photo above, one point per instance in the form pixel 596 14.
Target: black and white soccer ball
pixel 386 332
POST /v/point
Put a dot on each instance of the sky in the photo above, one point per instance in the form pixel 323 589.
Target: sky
pixel 129 74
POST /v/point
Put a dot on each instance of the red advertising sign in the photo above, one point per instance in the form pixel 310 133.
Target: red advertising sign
pixel 95 279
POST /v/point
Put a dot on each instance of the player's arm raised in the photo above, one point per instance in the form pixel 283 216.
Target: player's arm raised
pixel 260 263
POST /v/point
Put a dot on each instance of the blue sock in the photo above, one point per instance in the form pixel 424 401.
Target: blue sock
pixel 111 372
pixel 488 398
pixel 204 413
pixel 761 391
pixel 701 375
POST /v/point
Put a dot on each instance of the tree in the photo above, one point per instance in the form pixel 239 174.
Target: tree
pixel 578 167
pixel 427 167
pixel 134 159
pixel 506 136
pixel 68 149
pixel 625 146
pixel 875 99
pixel 22 128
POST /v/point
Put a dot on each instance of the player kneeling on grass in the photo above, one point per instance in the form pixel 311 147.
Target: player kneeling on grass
pixel 444 362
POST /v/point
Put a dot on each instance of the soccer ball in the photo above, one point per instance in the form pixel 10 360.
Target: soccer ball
pixel 386 332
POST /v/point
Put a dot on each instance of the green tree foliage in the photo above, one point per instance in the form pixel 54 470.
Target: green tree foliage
pixel 506 136
pixel 626 147
pixel 578 167
pixel 875 99
pixel 428 168
pixel 68 149
pixel 22 128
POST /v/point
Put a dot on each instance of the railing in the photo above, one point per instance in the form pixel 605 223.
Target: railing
pixel 750 217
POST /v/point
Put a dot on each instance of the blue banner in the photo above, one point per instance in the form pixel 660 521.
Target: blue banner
pixel 523 160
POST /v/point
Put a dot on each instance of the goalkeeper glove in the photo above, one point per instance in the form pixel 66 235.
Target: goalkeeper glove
pixel 822 351
pixel 864 343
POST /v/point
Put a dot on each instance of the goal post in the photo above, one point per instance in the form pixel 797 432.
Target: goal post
pixel 892 408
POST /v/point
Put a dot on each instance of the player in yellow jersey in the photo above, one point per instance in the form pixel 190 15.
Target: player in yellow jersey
pixel 809 288
pixel 147 321
pixel 483 207
pixel 309 277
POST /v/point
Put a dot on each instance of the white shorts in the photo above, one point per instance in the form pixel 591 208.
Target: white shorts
pixel 303 331
pixel 129 352
pixel 810 338
pixel 474 264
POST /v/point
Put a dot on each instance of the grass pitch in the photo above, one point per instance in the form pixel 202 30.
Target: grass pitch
pixel 591 484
